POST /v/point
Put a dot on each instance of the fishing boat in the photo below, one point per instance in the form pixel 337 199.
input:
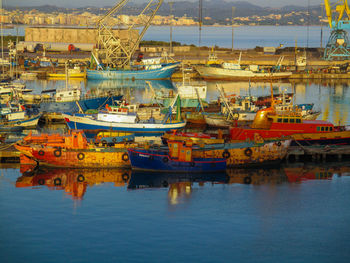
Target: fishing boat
pixel 191 93
pixel 12 118
pixel 237 154
pixel 8 88
pixel 121 119
pixel 234 71
pixel 75 72
pixel 72 100
pixel 110 137
pixel 196 138
pixel 73 150
pixel 268 124
pixel 177 157
pixel 246 153
pixel 151 72
pixel 219 120
pixel 29 75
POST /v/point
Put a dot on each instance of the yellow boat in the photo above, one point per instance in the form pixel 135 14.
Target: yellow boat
pixel 81 75
pixel 75 72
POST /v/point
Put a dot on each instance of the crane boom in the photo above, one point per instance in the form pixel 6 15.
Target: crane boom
pixel 341 7
pixel 117 50
pixel 338 14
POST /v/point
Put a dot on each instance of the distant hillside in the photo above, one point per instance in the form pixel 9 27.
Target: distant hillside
pixel 218 10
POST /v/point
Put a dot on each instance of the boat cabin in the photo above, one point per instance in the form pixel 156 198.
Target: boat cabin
pixel 122 109
pixel 285 122
pixel 240 104
pixel 181 150
pixel 76 139
pixel 68 95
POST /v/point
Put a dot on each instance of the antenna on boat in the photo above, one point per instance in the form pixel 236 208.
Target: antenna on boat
pixel 2 42
pixel 66 71
pixel 249 93
pixel 272 98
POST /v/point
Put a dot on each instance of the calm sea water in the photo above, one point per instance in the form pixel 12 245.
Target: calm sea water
pixel 296 214
pixel 244 36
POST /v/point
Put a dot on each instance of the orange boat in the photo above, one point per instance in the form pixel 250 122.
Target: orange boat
pixel 72 150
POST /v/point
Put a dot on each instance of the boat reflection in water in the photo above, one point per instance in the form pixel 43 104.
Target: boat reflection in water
pixel 73 181
pixel 134 91
pixel 296 173
pixel 180 186
pixel 120 83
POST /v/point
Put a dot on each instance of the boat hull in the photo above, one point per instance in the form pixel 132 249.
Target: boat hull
pixel 299 137
pixel 213 73
pixel 246 153
pixel 163 72
pixel 62 76
pixel 30 122
pixel 77 158
pixel 217 121
pixel 149 160
pixel 87 122
pixel 72 106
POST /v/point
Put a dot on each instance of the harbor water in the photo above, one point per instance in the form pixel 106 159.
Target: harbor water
pixel 292 213
pixel 282 215
pixel 245 37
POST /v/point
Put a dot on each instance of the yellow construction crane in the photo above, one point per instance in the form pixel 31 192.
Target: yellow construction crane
pixel 338 14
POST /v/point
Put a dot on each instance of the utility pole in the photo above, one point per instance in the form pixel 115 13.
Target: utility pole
pixel 233 11
pixel 308 23
pixel 200 21
pixel 321 37
pixel 171 28
pixel 2 42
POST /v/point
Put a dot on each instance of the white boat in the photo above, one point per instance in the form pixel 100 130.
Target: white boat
pixel 222 73
pixel 29 75
pixel 218 120
pixel 234 71
pixel 121 119
pixel 18 117
pixel 8 88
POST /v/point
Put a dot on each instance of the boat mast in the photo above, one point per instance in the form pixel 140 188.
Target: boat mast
pixel 2 41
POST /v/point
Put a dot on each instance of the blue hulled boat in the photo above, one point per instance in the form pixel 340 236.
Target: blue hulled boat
pixel 176 158
pixel 125 118
pixel 71 100
pixel 95 122
pixel 158 71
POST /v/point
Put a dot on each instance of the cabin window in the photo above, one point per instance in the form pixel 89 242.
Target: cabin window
pixel 330 128
pixel 322 128
pixel 279 120
pixel 326 129
pixel 285 120
pixel 318 128
pixel 291 120
pixel 298 120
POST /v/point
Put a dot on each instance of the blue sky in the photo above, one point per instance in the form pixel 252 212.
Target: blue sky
pixel 80 3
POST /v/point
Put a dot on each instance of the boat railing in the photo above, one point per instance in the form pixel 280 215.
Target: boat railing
pixel 86 96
